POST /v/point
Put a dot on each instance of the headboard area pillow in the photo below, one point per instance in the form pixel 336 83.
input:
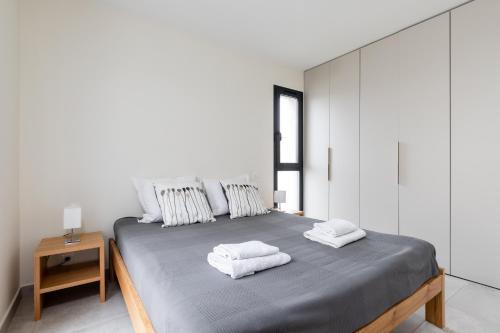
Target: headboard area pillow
pixel 215 194
pixel 147 196
pixel 183 203
pixel 243 199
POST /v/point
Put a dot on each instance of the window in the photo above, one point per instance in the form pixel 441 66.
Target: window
pixel 288 146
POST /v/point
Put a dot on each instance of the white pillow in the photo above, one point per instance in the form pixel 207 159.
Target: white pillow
pixel 243 199
pixel 216 196
pixel 183 203
pixel 147 196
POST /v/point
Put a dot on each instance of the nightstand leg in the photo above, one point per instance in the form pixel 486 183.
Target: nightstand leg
pixel 37 298
pixel 110 263
pixel 102 286
pixel 38 306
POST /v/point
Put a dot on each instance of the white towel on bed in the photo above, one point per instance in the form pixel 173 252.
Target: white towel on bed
pixel 336 227
pixel 243 267
pixel 336 242
pixel 245 250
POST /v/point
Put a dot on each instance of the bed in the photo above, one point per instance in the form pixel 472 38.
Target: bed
pixel 368 286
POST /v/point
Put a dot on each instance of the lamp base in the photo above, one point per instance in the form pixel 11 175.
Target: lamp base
pixel 71 238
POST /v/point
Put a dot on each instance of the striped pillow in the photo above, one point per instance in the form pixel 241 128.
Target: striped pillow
pixel 243 200
pixel 183 203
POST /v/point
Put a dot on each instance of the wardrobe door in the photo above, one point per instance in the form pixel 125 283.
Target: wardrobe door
pixel 344 137
pixel 379 109
pixel 475 139
pixel 424 134
pixel 316 137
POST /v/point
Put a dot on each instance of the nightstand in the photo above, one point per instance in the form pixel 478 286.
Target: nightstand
pixel 294 212
pixel 66 276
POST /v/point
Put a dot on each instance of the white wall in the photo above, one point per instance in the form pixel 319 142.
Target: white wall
pixel 9 158
pixel 107 94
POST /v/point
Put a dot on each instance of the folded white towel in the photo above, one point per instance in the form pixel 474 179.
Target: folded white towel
pixel 320 237
pixel 245 250
pixel 239 268
pixel 336 227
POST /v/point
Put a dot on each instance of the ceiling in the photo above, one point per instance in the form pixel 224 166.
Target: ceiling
pixel 297 33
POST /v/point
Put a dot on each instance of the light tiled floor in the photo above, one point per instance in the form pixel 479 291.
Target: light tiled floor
pixel 470 308
pixel 74 310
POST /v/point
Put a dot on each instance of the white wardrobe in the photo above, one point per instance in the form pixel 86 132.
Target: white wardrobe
pixel 316 141
pixel 344 138
pixel 386 162
pixel 475 142
pixel 331 139
pixel 405 135
pixel 413 148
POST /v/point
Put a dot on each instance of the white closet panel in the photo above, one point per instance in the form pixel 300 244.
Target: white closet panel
pixel 316 139
pixel 475 119
pixel 344 137
pixel 424 134
pixel 379 109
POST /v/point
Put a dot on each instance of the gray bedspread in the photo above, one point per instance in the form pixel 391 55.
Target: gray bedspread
pixel 321 290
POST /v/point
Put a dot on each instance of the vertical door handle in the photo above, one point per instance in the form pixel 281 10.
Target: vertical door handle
pixel 329 163
pixel 398 162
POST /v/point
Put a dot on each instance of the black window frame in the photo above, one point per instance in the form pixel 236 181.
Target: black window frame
pixel 278 166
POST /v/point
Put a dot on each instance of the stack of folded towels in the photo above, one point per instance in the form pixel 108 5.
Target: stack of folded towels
pixel 239 260
pixel 335 232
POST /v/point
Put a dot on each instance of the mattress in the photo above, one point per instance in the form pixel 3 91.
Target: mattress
pixel 321 290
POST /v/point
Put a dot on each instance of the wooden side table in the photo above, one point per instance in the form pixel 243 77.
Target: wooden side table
pixel 66 276
pixel 294 212
pixel 299 212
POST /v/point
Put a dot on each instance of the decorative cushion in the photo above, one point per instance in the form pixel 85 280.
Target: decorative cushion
pixel 215 194
pixel 183 203
pixel 147 196
pixel 243 200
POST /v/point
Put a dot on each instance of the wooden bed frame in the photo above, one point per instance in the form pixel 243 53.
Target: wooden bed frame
pixel 431 293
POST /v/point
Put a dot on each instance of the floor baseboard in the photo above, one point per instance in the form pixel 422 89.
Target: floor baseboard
pixel 11 310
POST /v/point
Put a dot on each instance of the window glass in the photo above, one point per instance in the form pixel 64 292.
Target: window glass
pixel 289 129
pixel 289 181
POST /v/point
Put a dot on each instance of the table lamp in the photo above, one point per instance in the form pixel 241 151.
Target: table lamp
pixel 72 220
pixel 279 198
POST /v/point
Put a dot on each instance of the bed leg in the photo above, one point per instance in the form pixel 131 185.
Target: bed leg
pixel 111 268
pixel 435 308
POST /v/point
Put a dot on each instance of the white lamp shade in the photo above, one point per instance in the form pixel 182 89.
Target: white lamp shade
pixel 280 196
pixel 72 217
